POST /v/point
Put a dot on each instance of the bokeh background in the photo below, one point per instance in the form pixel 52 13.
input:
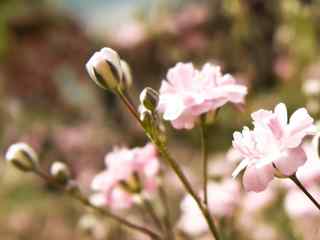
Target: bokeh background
pixel 47 99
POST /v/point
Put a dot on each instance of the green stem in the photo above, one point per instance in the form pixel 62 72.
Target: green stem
pixel 178 171
pixel 167 221
pixel 152 213
pixel 304 190
pixel 175 167
pixel 99 210
pixel 130 107
pixel 204 151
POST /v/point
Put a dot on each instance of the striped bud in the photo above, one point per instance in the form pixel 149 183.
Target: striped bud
pixel 149 98
pixel 60 172
pixel 22 156
pixel 126 75
pixel 104 69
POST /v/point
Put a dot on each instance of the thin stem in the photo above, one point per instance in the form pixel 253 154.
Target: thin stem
pixel 130 107
pixel 99 210
pixel 152 213
pixel 167 221
pixel 204 150
pixel 304 190
pixel 176 168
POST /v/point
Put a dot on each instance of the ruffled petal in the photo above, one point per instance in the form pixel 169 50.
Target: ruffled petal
pixel 289 163
pixel 257 179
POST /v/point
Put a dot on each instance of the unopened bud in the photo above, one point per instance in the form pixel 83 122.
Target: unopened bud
pixel 149 98
pixel 60 172
pixel 22 156
pixel 126 75
pixel 146 117
pixel 104 69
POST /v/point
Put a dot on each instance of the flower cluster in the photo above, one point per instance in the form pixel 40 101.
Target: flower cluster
pixel 273 147
pixel 187 93
pixel 129 173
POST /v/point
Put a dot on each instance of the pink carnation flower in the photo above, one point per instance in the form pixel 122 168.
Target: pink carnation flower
pixel 273 146
pixel 188 93
pixel 129 172
pixel 223 199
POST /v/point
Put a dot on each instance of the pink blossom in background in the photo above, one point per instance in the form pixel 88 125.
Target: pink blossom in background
pixel 129 35
pixel 273 142
pixel 187 93
pixel 138 166
pixel 223 200
pixel 254 202
pixel 298 205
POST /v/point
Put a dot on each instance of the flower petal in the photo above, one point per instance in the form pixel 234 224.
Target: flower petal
pixel 257 179
pixel 291 161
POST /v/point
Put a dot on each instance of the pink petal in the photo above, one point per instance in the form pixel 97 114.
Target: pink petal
pixel 257 180
pixel 291 161
pixel 181 75
pixel 281 112
pixel 186 121
pixel 243 164
pixel 300 125
pixel 174 108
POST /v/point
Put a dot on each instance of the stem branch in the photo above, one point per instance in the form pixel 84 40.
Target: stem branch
pixel 152 213
pixel 167 221
pixel 204 151
pixel 176 168
pixel 99 210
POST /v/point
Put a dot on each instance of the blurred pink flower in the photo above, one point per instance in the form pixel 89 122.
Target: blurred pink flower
pixel 273 146
pixel 223 199
pixel 188 93
pixel 129 35
pixel 298 206
pixel 190 17
pixel 253 202
pixel 129 172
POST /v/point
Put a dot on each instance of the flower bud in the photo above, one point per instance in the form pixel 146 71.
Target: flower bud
pixel 22 156
pixel 146 117
pixel 149 98
pixel 60 172
pixel 126 75
pixel 104 69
